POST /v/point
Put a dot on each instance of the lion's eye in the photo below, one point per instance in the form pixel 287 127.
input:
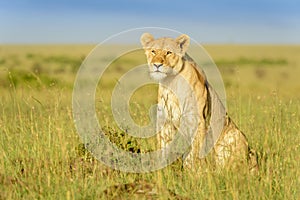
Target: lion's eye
pixel 153 51
pixel 169 52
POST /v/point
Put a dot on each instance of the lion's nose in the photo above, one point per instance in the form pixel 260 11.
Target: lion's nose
pixel 157 65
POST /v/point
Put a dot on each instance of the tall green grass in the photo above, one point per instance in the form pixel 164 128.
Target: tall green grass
pixel 42 157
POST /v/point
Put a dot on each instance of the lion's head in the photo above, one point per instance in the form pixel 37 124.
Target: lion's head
pixel 164 55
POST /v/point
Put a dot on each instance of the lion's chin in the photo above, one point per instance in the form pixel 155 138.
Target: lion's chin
pixel 158 76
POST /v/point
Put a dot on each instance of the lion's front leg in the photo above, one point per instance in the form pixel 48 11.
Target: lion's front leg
pixel 166 129
pixel 165 135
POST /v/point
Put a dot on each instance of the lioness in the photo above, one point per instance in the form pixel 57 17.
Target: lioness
pixel 167 60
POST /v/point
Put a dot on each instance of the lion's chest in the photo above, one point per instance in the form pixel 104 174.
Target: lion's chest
pixel 168 106
pixel 177 110
pixel 168 115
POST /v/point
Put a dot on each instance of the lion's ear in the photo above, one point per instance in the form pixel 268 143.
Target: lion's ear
pixel 183 41
pixel 146 38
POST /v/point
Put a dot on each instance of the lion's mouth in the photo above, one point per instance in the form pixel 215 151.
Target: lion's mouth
pixel 157 71
pixel 157 75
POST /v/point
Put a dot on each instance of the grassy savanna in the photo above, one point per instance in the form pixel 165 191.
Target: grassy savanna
pixel 41 155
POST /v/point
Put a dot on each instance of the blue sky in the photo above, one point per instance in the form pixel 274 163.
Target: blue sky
pixel 91 21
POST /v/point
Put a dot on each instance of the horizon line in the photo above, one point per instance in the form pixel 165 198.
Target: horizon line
pixel 124 43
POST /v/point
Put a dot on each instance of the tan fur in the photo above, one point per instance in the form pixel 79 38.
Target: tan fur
pixel 167 59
